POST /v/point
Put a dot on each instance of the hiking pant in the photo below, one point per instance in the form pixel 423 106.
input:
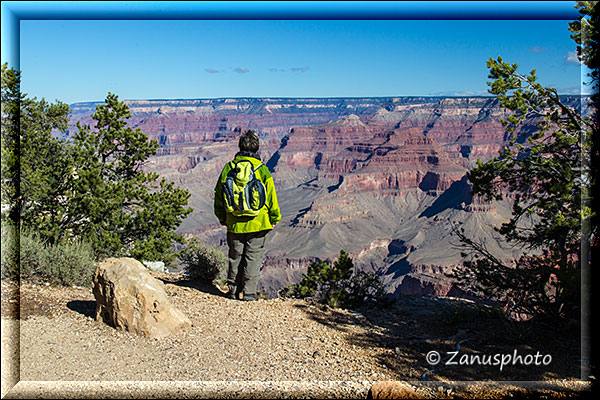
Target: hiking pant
pixel 246 252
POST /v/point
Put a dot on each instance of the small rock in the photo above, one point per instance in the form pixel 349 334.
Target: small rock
pixel 392 390
pixel 156 266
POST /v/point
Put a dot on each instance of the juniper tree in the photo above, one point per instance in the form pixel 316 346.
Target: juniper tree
pixel 586 35
pixel 11 100
pixel 117 206
pixel 35 165
pixel 92 187
pixel 545 176
pixel 337 284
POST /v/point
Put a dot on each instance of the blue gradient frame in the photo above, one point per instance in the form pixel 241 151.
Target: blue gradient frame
pixel 15 11
pixel 12 12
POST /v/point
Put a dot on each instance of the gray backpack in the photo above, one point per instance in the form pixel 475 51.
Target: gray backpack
pixel 244 193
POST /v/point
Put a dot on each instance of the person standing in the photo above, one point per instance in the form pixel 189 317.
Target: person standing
pixel 246 203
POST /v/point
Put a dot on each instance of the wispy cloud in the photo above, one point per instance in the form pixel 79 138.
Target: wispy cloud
pixel 570 90
pixel 239 70
pixel 292 69
pixel 584 90
pixel 538 49
pixel 571 58
pixel 299 69
pixel 465 93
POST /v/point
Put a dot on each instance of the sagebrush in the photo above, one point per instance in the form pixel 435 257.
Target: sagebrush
pixel 33 259
pixel 203 262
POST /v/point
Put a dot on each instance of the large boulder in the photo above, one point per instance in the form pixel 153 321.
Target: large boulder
pixel 129 298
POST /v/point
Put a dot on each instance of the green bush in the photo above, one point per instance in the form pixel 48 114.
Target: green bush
pixel 68 263
pixel 337 285
pixel 202 262
pixel 71 264
pixel 10 261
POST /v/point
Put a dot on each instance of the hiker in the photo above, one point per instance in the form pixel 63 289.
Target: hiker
pixel 246 202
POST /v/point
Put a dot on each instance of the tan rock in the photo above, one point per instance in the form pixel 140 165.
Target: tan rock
pixel 393 390
pixel 129 298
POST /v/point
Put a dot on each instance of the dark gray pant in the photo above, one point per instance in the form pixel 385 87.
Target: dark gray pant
pixel 246 252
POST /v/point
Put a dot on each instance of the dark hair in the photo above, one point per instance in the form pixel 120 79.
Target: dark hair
pixel 249 142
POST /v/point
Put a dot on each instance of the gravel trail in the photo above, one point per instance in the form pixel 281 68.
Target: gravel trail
pixel 278 348
pixel 230 341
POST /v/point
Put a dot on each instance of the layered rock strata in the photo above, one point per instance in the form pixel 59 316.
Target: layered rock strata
pixel 350 174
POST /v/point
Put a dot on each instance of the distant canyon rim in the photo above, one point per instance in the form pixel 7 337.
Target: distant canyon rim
pixel 382 178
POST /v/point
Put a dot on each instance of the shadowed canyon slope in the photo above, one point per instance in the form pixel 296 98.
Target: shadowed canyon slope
pixel 382 178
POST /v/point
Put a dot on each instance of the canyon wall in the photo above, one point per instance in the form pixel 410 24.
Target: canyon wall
pixel 381 178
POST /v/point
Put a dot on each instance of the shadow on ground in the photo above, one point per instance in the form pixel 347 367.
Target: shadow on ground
pixel 193 284
pixel 85 307
pixel 472 341
pixel 88 307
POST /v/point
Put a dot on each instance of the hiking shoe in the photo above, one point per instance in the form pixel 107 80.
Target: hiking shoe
pixel 230 292
pixel 222 288
pixel 249 298
pixel 231 295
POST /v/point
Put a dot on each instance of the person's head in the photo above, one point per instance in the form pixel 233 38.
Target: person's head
pixel 249 142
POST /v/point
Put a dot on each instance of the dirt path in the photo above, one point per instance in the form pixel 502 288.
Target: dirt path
pixel 262 342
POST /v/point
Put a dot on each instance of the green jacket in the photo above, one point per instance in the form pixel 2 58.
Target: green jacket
pixel 268 216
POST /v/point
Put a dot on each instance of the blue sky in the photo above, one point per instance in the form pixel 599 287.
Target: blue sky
pixel 83 60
